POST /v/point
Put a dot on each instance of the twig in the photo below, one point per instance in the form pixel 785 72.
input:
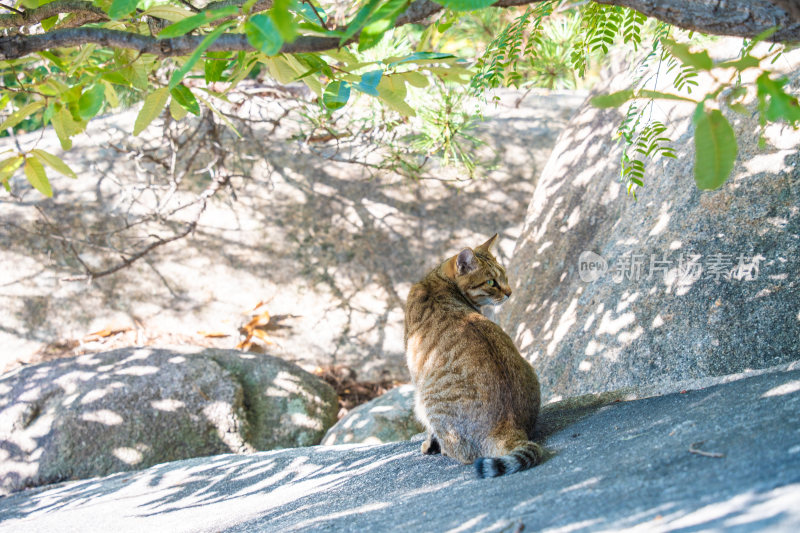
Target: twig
pixel 324 24
pixel 693 449
pixel 190 6
pixel 12 9
pixel 127 261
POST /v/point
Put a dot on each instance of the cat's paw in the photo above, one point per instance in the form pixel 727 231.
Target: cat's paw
pixel 430 446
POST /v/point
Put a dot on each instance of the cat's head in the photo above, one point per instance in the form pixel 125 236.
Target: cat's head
pixel 479 276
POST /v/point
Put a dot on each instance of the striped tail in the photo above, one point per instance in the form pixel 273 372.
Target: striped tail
pixel 524 456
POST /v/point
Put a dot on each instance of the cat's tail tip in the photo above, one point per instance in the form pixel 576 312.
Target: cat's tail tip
pixel 521 458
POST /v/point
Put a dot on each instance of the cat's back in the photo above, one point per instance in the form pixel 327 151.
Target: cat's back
pixel 429 300
pixel 442 326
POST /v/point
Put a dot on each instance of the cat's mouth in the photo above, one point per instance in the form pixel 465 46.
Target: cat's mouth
pixel 497 303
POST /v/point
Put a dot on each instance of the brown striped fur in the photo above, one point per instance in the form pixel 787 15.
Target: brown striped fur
pixel 475 394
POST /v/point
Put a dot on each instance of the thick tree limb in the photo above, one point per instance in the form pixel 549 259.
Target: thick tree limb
pixel 85 10
pixel 740 18
pixel 16 46
pixel 792 7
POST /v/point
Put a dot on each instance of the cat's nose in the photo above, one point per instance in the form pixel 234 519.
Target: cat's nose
pixel 508 293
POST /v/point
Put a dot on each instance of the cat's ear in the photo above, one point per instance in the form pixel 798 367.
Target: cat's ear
pixel 466 262
pixel 487 246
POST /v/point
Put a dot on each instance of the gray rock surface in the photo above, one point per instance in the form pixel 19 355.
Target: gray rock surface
pixel 387 418
pixel 697 283
pixel 132 408
pixel 636 464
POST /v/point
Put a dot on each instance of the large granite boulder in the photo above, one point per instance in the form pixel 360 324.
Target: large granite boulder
pixel 132 408
pixel 686 283
pixel 387 418
pixel 726 458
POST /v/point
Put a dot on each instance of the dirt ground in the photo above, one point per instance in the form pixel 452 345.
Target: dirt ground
pixel 324 253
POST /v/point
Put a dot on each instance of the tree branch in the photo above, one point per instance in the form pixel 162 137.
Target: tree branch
pixel 86 12
pixel 30 17
pixel 260 5
pixel 740 18
pixel 16 46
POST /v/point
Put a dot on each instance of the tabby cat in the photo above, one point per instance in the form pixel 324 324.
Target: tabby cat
pixel 475 394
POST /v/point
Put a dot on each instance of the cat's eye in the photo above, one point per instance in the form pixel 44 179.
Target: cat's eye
pixel 491 283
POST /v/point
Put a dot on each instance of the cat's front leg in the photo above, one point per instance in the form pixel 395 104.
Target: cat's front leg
pixel 430 446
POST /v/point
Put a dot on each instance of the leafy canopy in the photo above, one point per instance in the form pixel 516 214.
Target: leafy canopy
pixel 70 60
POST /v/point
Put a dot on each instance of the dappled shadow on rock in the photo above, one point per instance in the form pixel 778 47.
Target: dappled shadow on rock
pixel 628 464
pixel 132 408
pixel 686 283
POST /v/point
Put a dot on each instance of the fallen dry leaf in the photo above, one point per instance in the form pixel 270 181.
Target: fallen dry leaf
pixel 213 334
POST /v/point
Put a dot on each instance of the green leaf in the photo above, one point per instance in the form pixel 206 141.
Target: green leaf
pixel 61 121
pixel 54 59
pixel 421 57
pixel 766 34
pixel 466 5
pixel 379 21
pixel 54 162
pixel 85 52
pixel 774 103
pixel 415 79
pixel 645 93
pixel 620 97
pixel 358 21
pixel 392 90
pixel 248 5
pixel 116 77
pixel 312 14
pixel 740 108
pixel 215 64
pixel 369 82
pixel 71 95
pixel 66 125
pixel 699 60
pixel 283 20
pixel 21 114
pixel 388 11
pixel 209 39
pixel 184 96
pixel 51 87
pixel 110 94
pixel 136 73
pixel 372 34
pixel 188 24
pixel 168 12
pixel 612 100
pixel 742 63
pixel 121 8
pixel 91 101
pixel 9 166
pixel 715 148
pixel 177 110
pixel 336 95
pixel 152 107
pixel 49 23
pixel 263 35
pixel 281 70
pixel 35 173
pixel 316 64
